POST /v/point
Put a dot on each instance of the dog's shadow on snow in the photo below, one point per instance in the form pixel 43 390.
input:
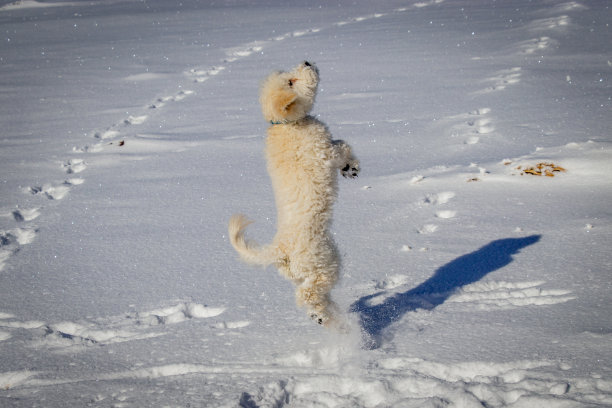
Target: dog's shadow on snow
pixel 375 317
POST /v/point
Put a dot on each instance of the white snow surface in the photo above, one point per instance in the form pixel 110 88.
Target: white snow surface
pixel 131 132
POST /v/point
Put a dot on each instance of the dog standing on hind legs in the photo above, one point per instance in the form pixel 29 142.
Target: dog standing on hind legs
pixel 303 163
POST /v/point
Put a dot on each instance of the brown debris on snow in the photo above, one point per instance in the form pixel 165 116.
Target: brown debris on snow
pixel 541 169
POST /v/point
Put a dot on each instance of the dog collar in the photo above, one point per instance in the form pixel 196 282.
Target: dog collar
pixel 283 122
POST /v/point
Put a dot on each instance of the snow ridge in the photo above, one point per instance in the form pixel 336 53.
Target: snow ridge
pixel 413 382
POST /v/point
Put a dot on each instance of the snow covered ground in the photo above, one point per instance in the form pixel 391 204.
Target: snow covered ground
pixel 476 241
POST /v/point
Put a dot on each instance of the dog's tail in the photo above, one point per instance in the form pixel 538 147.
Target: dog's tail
pixel 249 251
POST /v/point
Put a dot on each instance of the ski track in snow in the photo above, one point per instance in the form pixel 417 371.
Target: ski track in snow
pixel 415 382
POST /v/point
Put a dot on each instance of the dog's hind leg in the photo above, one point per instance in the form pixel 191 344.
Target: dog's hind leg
pixel 313 293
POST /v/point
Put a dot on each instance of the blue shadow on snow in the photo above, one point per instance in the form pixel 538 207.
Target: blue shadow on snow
pixel 434 291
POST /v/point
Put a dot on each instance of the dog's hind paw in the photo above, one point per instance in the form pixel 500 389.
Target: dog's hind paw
pixel 318 319
pixel 332 322
pixel 350 171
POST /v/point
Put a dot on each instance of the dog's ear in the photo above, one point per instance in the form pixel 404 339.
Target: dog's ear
pixel 282 101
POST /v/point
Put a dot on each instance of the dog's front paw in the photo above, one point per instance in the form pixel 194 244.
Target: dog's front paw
pixel 351 170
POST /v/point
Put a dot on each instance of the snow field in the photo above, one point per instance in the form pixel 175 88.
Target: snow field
pixel 467 281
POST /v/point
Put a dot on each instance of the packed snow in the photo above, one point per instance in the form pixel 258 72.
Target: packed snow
pixel 475 242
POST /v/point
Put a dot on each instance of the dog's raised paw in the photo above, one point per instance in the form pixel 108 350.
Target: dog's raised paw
pixel 349 171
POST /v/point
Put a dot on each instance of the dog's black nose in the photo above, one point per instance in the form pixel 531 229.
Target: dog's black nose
pixel 307 63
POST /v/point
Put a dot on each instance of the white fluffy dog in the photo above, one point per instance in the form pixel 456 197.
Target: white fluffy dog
pixel 303 164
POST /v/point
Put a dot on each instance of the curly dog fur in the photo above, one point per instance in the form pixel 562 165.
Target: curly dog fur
pixel 303 163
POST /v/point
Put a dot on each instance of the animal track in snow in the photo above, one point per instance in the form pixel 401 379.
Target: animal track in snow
pixel 7 321
pixel 439 198
pixel 106 134
pixel 407 381
pixel 177 314
pixel 481 126
pixel 11 240
pixel 392 282
pixel 233 325
pixel 535 45
pixel 26 4
pixel 502 79
pixel 114 329
pixel 55 192
pixel 236 53
pixel 470 126
pixel 69 334
pixel 428 229
pixel 304 32
pixel 472 140
pixel 551 23
pixel 565 7
pixel 501 295
pixel 74 166
pixel 89 148
pixel 359 19
pixel 115 130
pixel 201 75
pixel 145 76
pixel 161 102
pixel 446 214
pixel 297 33
pixel 22 214
pixel 481 111
pixel 245 50
pixel 51 192
pixel 135 120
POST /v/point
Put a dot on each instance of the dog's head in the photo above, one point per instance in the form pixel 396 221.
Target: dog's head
pixel 289 96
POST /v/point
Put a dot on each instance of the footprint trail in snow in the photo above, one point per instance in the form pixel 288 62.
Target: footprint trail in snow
pixel 117 132
pixel 306 377
pixel 63 336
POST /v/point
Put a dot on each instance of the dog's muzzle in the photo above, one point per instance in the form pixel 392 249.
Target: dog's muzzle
pixel 311 66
